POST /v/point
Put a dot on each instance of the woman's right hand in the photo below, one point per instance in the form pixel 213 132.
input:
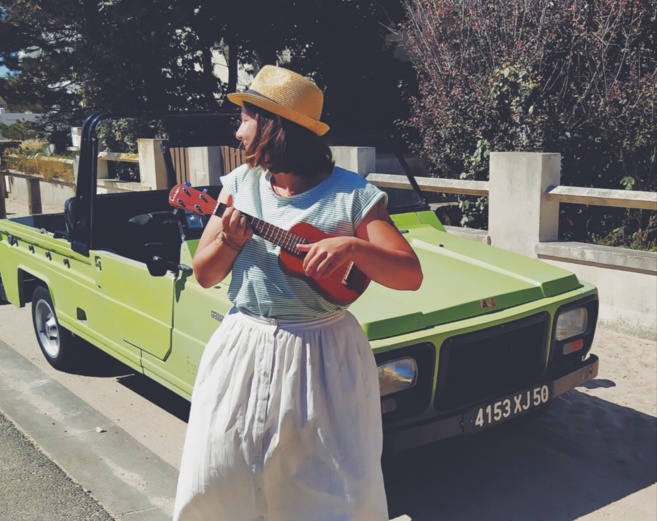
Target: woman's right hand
pixel 235 226
pixel 222 239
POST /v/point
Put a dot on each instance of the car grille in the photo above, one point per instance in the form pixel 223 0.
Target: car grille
pixel 493 361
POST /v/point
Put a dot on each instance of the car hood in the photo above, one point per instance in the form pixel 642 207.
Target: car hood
pixel 462 279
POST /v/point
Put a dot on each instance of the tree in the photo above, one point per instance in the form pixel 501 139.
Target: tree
pixel 576 77
pixel 18 131
pixel 345 46
pixel 73 57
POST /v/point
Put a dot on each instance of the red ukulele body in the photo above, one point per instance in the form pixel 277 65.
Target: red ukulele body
pixel 342 287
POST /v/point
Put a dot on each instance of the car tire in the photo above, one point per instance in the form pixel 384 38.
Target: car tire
pixel 57 344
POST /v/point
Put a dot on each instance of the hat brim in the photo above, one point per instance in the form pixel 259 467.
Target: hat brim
pixel 317 127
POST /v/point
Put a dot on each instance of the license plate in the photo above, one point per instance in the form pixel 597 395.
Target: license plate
pixel 506 408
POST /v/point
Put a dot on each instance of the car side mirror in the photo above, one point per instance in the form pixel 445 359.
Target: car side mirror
pixel 157 265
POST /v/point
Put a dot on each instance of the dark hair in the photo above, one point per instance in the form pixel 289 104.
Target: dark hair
pixel 283 146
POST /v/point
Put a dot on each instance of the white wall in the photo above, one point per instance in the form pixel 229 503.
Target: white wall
pixel 628 300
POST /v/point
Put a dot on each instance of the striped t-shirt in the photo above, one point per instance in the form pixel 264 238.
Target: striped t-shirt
pixel 336 206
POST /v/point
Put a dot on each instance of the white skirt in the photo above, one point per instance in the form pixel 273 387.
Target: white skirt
pixel 285 425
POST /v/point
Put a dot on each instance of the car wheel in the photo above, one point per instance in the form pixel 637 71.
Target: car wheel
pixel 57 344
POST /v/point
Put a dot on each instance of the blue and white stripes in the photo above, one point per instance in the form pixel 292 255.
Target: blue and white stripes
pixel 336 206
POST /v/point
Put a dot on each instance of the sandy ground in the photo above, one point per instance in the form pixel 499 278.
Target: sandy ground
pixel 592 456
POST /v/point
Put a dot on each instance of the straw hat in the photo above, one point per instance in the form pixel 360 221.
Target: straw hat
pixel 287 94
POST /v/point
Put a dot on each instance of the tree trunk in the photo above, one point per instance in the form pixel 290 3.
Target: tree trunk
pixel 209 79
pixel 230 51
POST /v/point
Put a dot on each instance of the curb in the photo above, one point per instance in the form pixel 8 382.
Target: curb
pixel 128 480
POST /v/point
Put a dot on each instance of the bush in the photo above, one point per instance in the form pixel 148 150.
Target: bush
pixel 32 147
pixel 28 159
pixel 16 131
pixel 578 77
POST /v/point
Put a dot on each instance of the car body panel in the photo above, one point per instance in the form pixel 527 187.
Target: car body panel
pixel 482 279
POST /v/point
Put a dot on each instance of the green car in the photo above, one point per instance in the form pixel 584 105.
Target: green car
pixel 490 335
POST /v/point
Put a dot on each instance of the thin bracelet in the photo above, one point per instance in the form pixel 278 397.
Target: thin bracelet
pixel 222 238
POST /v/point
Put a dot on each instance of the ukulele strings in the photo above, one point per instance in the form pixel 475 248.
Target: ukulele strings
pixel 286 239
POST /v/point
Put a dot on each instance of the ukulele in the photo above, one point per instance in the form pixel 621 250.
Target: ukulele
pixel 342 287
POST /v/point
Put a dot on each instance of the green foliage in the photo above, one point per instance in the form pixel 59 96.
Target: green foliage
pixel 32 147
pixel 122 136
pixel 73 58
pixel 18 131
pixel 578 77
pixel 30 158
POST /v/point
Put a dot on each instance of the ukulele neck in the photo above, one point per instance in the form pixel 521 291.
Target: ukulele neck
pixel 274 234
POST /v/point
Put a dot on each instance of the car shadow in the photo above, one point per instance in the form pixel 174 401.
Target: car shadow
pixel 91 361
pixel 157 394
pixel 96 363
pixel 583 454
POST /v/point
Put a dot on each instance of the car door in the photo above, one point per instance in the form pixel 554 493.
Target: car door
pixel 138 306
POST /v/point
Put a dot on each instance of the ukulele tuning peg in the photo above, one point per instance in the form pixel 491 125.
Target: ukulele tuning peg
pixel 187 183
pixel 181 203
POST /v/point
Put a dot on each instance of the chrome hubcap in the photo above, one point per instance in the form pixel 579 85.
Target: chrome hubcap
pixel 47 328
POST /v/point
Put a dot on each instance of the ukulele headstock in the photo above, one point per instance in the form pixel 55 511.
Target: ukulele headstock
pixel 192 200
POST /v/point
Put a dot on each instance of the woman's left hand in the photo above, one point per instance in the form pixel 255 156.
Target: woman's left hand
pixel 378 249
pixel 324 257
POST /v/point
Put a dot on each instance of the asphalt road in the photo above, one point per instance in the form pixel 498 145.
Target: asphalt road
pixel 35 488
pixel 118 438
pixel 100 427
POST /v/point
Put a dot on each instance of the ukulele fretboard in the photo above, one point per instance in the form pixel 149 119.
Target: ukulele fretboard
pixel 274 234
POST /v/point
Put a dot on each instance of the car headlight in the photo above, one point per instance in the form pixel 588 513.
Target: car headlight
pixel 571 323
pixel 397 375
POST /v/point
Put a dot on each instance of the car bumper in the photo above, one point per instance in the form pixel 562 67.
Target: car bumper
pixel 457 424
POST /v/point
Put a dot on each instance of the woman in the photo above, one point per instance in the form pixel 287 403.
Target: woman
pixel 285 421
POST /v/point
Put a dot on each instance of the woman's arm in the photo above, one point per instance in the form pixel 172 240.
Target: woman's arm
pixel 222 240
pixel 378 249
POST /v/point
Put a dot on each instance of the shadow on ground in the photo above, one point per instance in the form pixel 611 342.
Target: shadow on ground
pixel 157 394
pixel 96 363
pixel 581 455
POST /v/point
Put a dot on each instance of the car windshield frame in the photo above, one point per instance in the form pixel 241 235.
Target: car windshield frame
pixel 400 200
pixel 217 128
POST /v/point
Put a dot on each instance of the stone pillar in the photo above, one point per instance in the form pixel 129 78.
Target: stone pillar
pixel 519 214
pixel 152 171
pixel 205 166
pixel 34 195
pixel 361 160
pixel 75 151
pixel 102 169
